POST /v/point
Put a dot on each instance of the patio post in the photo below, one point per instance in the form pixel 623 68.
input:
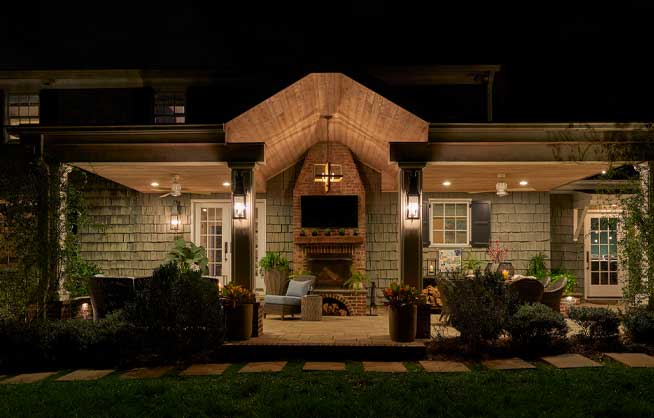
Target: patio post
pixel 410 219
pixel 243 224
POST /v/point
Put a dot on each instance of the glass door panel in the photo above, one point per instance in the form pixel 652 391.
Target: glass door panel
pixel 601 248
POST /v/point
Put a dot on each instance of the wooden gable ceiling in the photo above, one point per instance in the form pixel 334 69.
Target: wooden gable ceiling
pixel 291 121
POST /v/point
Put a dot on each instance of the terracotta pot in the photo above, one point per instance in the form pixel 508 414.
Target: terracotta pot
pixel 239 322
pixel 276 282
pixel 402 322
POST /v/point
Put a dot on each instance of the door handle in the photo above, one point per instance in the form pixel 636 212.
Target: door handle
pixel 226 249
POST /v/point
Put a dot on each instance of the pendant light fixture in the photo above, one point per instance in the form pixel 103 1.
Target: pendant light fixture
pixel 328 172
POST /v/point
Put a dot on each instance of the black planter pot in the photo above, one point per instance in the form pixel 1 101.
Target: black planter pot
pixel 402 322
pixel 239 322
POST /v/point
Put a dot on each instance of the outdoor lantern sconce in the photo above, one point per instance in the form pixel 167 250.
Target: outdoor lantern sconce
pixel 238 198
pixel 174 216
pixel 413 197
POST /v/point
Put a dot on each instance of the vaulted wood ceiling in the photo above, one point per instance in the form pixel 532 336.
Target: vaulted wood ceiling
pixel 291 121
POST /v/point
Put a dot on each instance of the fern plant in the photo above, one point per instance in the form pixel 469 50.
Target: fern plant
pixel 536 267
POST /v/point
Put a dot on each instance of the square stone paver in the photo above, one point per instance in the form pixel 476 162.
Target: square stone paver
pixel 508 364
pixel 146 372
pixel 432 366
pixel 328 366
pixel 211 369
pixel 633 359
pixel 384 366
pixel 570 361
pixel 27 378
pixel 84 374
pixel 263 367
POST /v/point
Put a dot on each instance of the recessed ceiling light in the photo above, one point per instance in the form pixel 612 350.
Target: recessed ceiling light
pixel 524 182
pixel 447 183
pixel 154 184
pixel 226 183
pixel 603 171
pixel 204 209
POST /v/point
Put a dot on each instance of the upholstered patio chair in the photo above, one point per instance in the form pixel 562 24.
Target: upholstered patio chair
pixel 552 295
pixel 527 289
pixel 289 304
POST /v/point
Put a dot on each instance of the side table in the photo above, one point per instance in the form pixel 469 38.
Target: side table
pixel 311 307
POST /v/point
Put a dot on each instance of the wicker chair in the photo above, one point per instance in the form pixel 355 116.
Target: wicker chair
pixel 290 303
pixel 527 290
pixel 552 295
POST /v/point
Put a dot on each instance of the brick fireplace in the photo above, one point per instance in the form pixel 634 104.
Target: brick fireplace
pixel 329 257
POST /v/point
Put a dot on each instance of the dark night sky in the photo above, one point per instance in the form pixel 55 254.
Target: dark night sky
pixel 560 62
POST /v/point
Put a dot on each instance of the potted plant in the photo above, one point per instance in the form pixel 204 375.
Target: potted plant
pixel 341 231
pixel 239 309
pixel 471 265
pixel 498 255
pixel 537 268
pixel 275 269
pixel 402 311
pixel 328 232
pixel 355 232
pixel 314 232
pixel 303 233
pixel 356 281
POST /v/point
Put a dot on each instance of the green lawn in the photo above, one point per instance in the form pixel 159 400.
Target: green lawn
pixel 610 391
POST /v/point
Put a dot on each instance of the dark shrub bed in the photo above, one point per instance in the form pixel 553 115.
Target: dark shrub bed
pixel 175 316
pixel 535 328
pixel 639 324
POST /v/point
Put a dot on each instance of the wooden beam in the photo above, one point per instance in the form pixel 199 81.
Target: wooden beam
pixel 485 152
pixel 155 153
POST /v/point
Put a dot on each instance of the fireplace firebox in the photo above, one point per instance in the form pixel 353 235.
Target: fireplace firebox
pixel 331 270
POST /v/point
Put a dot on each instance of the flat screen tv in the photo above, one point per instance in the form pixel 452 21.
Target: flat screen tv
pixel 330 211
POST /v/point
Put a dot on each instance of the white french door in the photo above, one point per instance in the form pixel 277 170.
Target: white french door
pixel 212 230
pixel 602 268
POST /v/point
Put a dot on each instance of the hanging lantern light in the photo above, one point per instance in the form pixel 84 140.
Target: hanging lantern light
pixel 239 204
pixel 328 172
pixel 413 197
pixel 175 220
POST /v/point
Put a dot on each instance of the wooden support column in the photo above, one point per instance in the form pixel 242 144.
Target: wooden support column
pixel 410 229
pixel 243 229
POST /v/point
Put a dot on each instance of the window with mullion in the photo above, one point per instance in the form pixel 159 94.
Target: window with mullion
pixel 450 223
pixel 170 108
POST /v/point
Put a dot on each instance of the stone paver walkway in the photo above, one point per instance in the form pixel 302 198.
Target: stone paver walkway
pixel 433 366
pixel 633 359
pixel 384 366
pixel 146 372
pixel 570 361
pixel 324 366
pixel 508 364
pixel 84 374
pixel 263 367
pixel 209 369
pixel 27 378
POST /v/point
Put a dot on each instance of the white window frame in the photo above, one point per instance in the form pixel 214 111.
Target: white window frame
pixel 163 98
pixel 468 203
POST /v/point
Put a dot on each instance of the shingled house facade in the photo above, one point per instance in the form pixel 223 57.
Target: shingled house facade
pixel 478 181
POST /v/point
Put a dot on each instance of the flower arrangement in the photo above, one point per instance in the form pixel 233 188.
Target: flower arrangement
pixel 402 295
pixel 235 295
pixel 496 252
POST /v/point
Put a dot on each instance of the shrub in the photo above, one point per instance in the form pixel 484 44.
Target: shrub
pixel 536 326
pixel 477 307
pixel 596 323
pixel 639 324
pixel 176 314
pixel 536 267
pixel 48 344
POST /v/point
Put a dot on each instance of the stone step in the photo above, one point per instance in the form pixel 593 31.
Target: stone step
pixel 433 366
pixel 570 361
pixel 508 364
pixel 384 366
pixel 84 374
pixel 27 378
pixel 263 367
pixel 632 359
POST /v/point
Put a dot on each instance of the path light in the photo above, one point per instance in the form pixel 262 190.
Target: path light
pixel 413 197
pixel 238 198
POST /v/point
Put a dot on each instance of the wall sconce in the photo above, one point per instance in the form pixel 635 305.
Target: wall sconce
pixel 413 197
pixel 238 198
pixel 175 216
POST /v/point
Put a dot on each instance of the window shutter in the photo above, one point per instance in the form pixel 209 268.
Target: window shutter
pixel 426 233
pixel 480 223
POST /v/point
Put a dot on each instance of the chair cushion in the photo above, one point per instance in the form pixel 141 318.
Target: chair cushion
pixel 281 300
pixel 298 288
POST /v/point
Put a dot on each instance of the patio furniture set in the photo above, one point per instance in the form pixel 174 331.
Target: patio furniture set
pixel 297 300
